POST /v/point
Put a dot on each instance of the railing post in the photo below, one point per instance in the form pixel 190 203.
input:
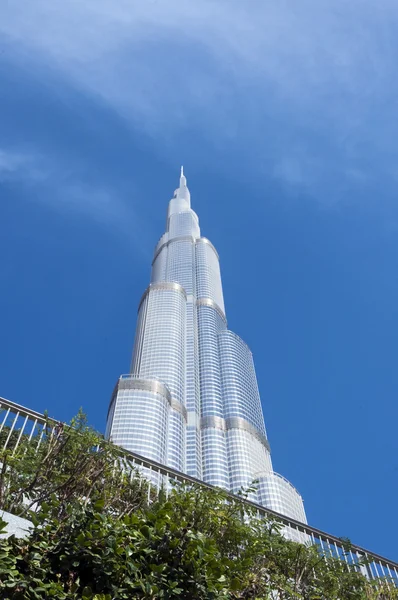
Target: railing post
pixel 4 420
pixel 149 486
pixel 40 438
pixel 20 434
pixel 32 430
pixel 11 430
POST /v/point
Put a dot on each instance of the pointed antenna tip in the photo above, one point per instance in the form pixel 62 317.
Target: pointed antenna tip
pixel 182 171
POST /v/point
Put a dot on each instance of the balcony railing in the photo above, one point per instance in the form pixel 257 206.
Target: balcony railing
pixel 23 421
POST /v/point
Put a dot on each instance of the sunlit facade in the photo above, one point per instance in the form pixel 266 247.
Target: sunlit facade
pixel 191 400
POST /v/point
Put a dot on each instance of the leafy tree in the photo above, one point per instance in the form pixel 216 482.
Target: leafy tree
pixel 95 537
pixel 67 462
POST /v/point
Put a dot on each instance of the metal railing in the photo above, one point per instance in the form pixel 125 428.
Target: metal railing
pixel 22 420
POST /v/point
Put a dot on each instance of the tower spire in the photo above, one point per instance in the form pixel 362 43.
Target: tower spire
pixel 181 200
pixel 183 179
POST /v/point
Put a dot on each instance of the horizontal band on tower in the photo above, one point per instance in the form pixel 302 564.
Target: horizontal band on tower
pixel 129 382
pixel 180 238
pixel 212 304
pixel 234 423
pixel 179 408
pixel 204 240
pixel 163 285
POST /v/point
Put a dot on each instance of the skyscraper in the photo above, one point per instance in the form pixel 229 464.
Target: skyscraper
pixel 191 400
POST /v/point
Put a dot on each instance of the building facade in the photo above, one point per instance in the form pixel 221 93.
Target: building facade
pixel 191 400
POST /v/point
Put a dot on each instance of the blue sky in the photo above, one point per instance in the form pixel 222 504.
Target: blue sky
pixel 284 115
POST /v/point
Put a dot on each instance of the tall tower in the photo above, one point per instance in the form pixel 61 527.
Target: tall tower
pixel 191 400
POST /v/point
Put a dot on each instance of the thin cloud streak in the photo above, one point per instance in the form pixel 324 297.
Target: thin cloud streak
pixel 17 166
pixel 58 187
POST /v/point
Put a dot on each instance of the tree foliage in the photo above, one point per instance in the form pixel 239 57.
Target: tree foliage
pixel 95 536
pixel 68 463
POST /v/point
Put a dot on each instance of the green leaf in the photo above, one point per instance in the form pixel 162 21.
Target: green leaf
pixel 99 504
pixel 145 531
pixel 235 584
pixel 87 593
pixel 3 525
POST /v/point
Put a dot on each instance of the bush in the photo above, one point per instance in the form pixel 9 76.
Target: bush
pixel 95 536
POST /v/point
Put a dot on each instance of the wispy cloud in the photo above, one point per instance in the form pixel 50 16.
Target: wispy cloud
pixel 13 164
pixel 8 163
pixel 260 75
pixel 58 186
pixel 25 167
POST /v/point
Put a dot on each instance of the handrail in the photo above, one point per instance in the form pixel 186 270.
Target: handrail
pixel 15 411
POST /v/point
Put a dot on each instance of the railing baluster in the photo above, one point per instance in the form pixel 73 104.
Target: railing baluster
pixel 376 569
pixel 141 479
pixel 382 569
pixel 338 552
pixel 132 473
pixel 368 569
pixel 4 420
pixel 20 434
pixel 149 486
pixel 40 438
pixel 371 568
pixel 329 548
pixel 52 432
pixel 390 574
pixel 322 546
pixel 32 430
pixel 11 430
pixel 158 483
pixel 352 558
